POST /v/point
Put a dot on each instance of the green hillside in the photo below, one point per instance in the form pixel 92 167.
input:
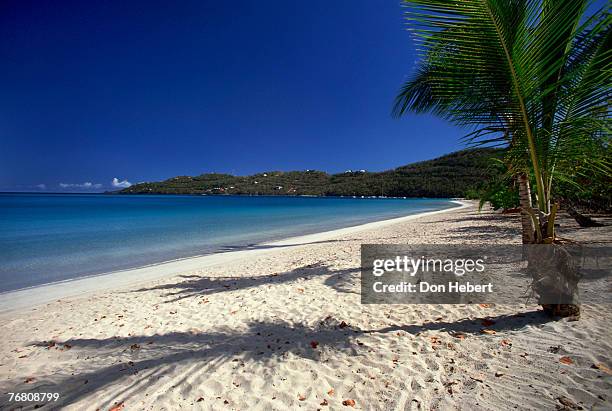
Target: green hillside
pixel 447 176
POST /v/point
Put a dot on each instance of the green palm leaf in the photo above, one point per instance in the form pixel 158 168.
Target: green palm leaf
pixel 523 73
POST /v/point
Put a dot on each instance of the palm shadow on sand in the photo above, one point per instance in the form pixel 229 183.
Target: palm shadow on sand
pixel 151 357
pixel 195 285
pixel 500 323
pixel 267 343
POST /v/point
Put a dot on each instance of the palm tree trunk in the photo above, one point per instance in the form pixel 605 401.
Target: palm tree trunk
pixel 582 220
pixel 525 201
pixel 550 275
pixel 555 274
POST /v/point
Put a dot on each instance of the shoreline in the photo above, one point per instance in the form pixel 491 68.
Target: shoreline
pixel 38 295
pixel 284 328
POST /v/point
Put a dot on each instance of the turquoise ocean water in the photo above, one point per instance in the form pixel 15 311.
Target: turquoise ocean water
pixel 48 238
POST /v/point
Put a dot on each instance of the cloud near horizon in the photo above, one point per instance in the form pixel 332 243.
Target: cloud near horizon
pixel 120 184
pixel 86 185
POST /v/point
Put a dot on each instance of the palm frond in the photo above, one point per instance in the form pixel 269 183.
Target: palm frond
pixel 522 73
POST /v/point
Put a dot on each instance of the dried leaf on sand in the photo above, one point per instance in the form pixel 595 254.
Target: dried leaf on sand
pixel 118 407
pixel 602 367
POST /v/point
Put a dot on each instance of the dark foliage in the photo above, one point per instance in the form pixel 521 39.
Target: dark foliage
pixel 451 175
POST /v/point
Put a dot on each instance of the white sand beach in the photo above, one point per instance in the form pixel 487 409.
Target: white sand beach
pixel 281 326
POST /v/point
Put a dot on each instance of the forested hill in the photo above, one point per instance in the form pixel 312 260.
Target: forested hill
pixel 447 176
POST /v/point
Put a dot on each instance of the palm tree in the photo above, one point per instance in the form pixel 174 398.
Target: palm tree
pixel 531 75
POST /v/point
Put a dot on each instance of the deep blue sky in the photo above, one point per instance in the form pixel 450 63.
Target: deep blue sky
pixel 91 91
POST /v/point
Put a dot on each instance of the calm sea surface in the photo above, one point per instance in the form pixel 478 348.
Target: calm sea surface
pixel 48 238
